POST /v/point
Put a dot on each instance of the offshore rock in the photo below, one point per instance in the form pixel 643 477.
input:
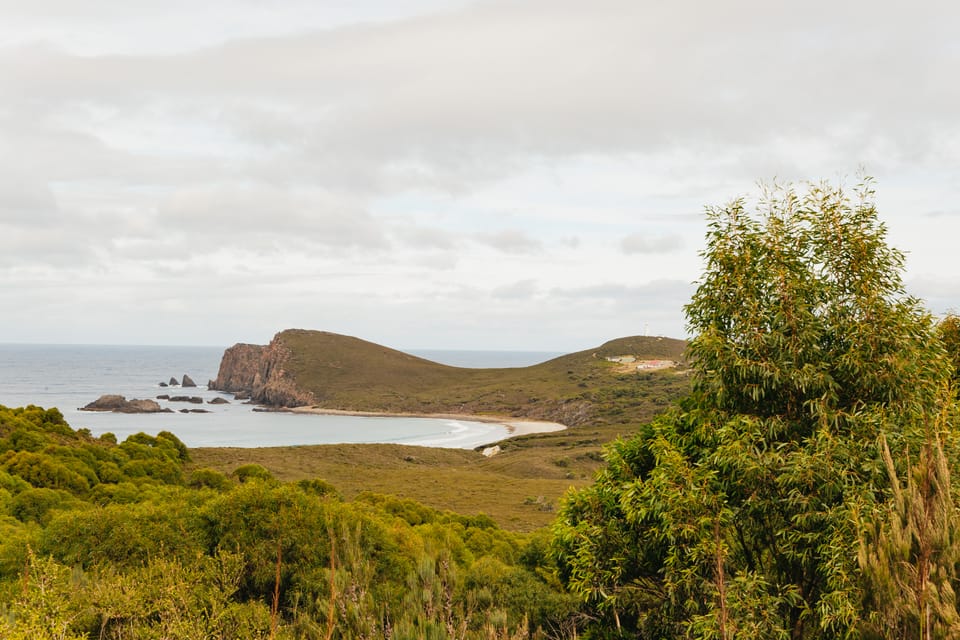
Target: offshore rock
pixel 187 381
pixel 119 404
pixel 258 372
pixel 173 382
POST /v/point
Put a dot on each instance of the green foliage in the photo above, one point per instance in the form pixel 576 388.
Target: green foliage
pixel 42 470
pixel 13 484
pixel 260 521
pixel 123 535
pixel 949 331
pixel 136 554
pixel 250 472
pixel 27 440
pixel 184 600
pixel 735 515
pixel 37 505
pixel 319 488
pixel 910 553
pixel 209 478
pixel 120 493
pixel 45 608
pixel 33 418
pixel 167 439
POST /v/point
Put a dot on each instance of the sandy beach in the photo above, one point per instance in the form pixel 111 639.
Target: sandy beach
pixel 515 426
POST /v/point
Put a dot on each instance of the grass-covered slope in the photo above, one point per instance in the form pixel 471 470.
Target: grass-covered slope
pixel 347 373
pixel 518 487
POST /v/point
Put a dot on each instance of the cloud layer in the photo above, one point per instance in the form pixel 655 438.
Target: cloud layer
pixel 438 175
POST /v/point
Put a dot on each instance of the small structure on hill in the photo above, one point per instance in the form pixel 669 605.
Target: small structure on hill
pixel 650 365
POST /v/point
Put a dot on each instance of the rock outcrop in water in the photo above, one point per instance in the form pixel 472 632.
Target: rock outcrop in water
pixel 187 381
pixel 119 404
pixel 258 372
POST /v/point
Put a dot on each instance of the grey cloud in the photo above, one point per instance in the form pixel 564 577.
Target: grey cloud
pixel 26 202
pixel 520 290
pixel 564 78
pixel 658 293
pixel 45 248
pixel 311 217
pixel 100 26
pixel 420 237
pixel 509 241
pixel 270 143
pixel 437 261
pixel 939 292
pixel 645 243
pixel 42 151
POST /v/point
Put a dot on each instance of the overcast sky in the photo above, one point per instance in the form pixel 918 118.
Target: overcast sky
pixel 440 174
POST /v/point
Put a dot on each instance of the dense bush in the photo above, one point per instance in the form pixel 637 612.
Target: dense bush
pixel 767 505
pixel 105 540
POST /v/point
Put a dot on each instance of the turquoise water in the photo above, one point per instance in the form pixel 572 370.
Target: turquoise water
pixel 70 376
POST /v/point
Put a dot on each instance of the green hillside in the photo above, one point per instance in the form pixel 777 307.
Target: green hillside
pixel 347 373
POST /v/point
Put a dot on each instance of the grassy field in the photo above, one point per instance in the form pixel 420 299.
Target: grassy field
pixel 521 486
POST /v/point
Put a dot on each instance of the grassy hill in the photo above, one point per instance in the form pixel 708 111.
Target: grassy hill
pixel 520 487
pixel 343 372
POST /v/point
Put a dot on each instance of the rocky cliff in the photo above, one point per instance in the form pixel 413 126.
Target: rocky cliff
pixel 258 372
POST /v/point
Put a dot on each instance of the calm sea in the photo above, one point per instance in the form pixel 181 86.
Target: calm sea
pixel 70 376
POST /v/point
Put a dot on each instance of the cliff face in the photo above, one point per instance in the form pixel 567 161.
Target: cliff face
pixel 258 372
pixel 238 368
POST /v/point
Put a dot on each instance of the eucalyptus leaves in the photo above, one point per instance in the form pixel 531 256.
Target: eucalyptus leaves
pixel 740 513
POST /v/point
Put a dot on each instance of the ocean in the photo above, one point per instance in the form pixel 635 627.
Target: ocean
pixel 71 376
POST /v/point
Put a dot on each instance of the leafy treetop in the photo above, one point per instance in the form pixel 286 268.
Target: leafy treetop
pixel 738 514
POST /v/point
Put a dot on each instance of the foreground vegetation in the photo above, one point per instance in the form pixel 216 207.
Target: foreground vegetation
pixel 145 539
pixel 804 488
pixel 107 540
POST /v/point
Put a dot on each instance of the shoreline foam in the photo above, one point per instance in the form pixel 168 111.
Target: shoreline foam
pixel 515 426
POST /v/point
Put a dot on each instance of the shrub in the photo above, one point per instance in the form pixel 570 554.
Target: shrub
pixel 249 472
pixel 36 505
pixel 209 478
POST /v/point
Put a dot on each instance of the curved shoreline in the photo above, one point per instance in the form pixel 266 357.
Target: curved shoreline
pixel 514 426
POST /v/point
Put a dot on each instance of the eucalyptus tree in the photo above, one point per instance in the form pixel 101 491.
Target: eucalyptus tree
pixel 949 328
pixel 738 513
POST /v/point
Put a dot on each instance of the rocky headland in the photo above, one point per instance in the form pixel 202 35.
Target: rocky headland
pixel 259 373
pixel 323 371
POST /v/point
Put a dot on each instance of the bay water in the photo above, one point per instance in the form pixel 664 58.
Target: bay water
pixel 70 376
